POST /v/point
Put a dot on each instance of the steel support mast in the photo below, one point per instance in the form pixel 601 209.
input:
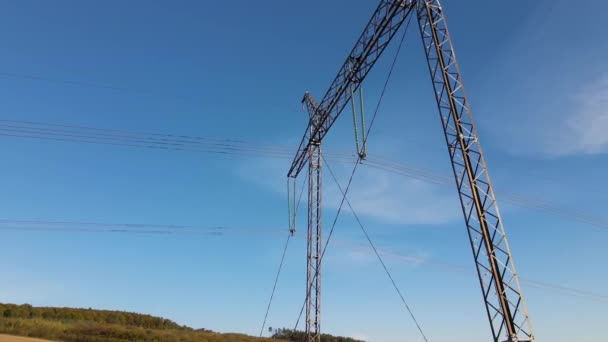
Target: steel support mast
pixel 498 278
pixel 314 233
pixel 383 25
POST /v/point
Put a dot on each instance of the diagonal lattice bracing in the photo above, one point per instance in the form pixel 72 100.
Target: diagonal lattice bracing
pixel 384 23
pixel 505 305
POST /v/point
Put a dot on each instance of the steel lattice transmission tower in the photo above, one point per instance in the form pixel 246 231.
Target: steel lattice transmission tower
pixel 502 295
pixel 314 236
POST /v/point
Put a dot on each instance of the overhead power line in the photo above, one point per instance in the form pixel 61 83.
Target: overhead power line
pixel 132 228
pixel 130 225
pixel 231 148
pixel 557 289
pixel 167 142
pixel 149 135
pixel 179 139
pixel 567 291
pixel 225 231
pixel 138 231
pixel 510 197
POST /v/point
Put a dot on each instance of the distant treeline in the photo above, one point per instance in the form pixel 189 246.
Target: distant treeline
pixel 90 315
pixel 296 336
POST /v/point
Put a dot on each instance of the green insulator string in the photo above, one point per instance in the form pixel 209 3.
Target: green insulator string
pixel 363 152
pixel 289 208
pixel 361 145
pixel 295 209
pixel 354 109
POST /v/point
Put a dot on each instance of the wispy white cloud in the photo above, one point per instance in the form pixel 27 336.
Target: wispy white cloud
pixel 586 127
pixel 545 107
pixel 564 126
pixel 394 199
pixel 580 127
pixel 386 198
pixel 361 253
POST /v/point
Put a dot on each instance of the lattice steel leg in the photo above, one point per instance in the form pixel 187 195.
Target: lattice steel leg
pixel 314 241
pixel 502 294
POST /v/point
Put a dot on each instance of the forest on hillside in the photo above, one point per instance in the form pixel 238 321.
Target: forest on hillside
pixel 295 335
pixel 90 325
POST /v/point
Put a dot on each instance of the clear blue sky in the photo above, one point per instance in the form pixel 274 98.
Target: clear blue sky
pixel 537 79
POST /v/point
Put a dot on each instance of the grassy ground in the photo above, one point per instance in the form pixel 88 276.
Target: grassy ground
pixel 25 323
pixel 89 325
pixel 11 338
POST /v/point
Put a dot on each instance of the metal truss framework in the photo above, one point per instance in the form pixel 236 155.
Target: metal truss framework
pixel 505 305
pixel 502 294
pixel 314 237
pixel 380 29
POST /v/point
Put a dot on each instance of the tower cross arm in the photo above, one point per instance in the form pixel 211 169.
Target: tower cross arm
pixel 381 28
